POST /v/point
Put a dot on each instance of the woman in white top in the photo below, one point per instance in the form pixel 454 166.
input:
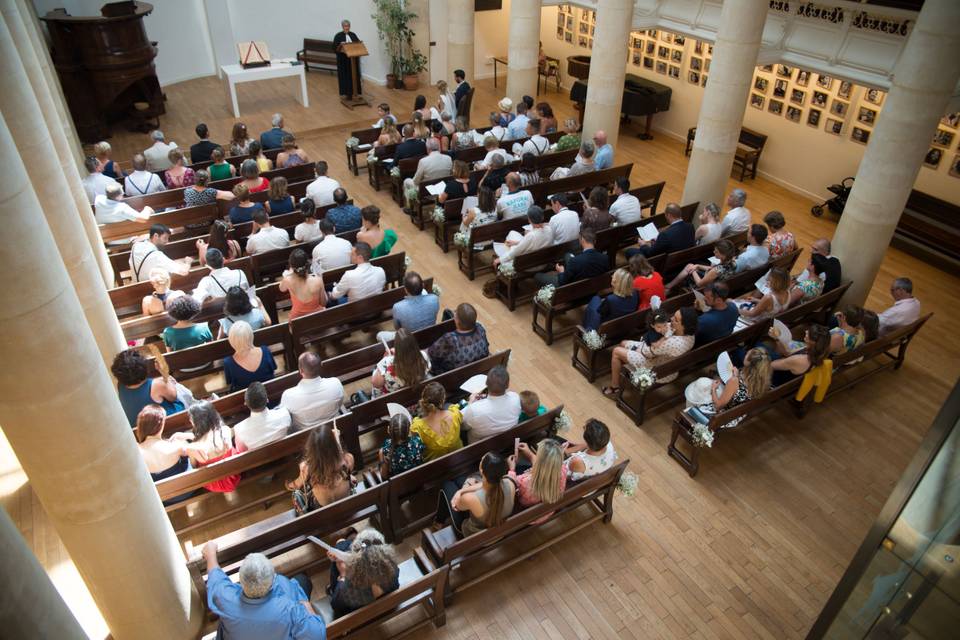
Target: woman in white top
pixel 309 229
pixel 772 303
pixel 484 213
pixel 709 229
pixel 445 102
pixel 640 355
pixel 595 455
pixel 496 131
pixel 403 366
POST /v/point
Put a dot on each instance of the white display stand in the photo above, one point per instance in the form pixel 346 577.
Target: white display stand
pixel 236 74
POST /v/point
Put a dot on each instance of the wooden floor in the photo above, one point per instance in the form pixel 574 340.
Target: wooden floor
pixel 751 548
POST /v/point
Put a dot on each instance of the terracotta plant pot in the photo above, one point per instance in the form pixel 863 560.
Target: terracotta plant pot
pixel 391 81
pixel 411 82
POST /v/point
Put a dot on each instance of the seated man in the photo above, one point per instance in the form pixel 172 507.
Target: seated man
pixel 905 309
pixel 321 190
pixel 832 270
pixel 418 310
pixel 141 182
pixel 95 183
pixel 265 236
pixel 146 255
pixel 273 138
pixel 410 146
pixel 755 254
pixel 626 207
pixel 603 158
pixel 535 143
pixel 517 129
pixel 515 202
pixel 586 264
pixel 263 605
pixel 466 344
pixel 719 317
pixel 201 151
pixel 264 425
pixel 345 217
pixel 110 207
pixel 361 282
pixel 678 235
pixel 158 154
pixel 432 166
pixel 314 400
pixel 331 252
pixel 564 223
pixel 220 278
pixel 494 413
pixel 737 219
pixel 495 175
pixel 538 237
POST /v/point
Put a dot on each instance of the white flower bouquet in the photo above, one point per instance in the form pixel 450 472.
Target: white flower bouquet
pixel 545 294
pixel 395 172
pixel 642 378
pixel 628 483
pixel 438 215
pixel 506 270
pixel 562 422
pixel 594 340
pixel 437 291
pixel 702 435
pixel 407 261
pixel 353 143
pixel 461 239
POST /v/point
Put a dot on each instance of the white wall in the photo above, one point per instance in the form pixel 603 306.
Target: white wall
pixel 491 34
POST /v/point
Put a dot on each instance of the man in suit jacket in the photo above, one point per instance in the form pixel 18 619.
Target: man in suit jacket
pixel 678 235
pixel 157 155
pixel 462 86
pixel 200 152
pixel 273 139
pixel 586 264
pixel 833 272
pixel 434 165
pixel 409 147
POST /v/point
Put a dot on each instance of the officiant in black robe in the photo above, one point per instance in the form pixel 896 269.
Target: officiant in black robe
pixel 344 73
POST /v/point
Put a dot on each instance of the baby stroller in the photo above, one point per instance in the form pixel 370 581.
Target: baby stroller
pixel 837 203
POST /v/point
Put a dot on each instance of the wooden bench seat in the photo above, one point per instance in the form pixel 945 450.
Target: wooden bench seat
pixel 320 53
pixel 176 220
pixel 929 229
pixel 749 147
pixel 197 164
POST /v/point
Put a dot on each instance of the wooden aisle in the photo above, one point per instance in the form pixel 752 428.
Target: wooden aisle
pixel 751 548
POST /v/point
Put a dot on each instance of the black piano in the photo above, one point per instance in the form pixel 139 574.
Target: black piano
pixel 641 97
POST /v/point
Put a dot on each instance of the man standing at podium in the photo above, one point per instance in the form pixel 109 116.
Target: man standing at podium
pixel 344 74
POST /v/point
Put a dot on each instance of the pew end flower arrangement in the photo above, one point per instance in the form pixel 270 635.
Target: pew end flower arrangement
pixel 593 340
pixel 507 270
pixel 702 435
pixel 545 295
pixel 628 483
pixel 461 239
pixel 642 378
pixel 438 216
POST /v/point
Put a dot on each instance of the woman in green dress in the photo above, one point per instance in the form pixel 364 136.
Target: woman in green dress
pixel 381 240
pixel 220 169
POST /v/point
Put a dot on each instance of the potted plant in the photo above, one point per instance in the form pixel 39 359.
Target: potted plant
pixel 392 19
pixel 412 66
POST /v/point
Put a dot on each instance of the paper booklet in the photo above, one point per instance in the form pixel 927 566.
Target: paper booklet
pixel 476 384
pixel 394 409
pixel 714 261
pixel 784 333
pixel 468 203
pixel 701 301
pixel 436 189
pixel 762 285
pixel 648 231
pixel 514 236
pixel 527 227
pixel 500 249
pixel 724 367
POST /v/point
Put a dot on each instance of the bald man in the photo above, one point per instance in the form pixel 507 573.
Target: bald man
pixel 603 158
pixel 514 201
pixel 314 400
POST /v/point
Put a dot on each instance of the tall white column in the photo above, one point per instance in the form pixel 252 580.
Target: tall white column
pixel 923 81
pixel 60 413
pixel 460 54
pixel 725 99
pixel 523 49
pixel 608 64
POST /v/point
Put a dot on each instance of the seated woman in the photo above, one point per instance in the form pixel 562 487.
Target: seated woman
pixel 700 275
pixel 220 169
pixel 792 362
pixel 200 194
pixel 309 229
pixel 438 133
pixel 528 171
pixel 370 232
pixel 485 500
pixel 571 135
pixel 459 185
pixel 445 102
pixel 109 168
pixel 185 333
pixel 848 334
pixel 596 213
pixel 809 285
pixel 136 390
pixel 164 457
pixel 325 471
pixel 307 294
pixel 362 569
pixel 179 175
pixel 548 122
pixel 156 302
pixel 592 456
pixel 779 241
pixel 256 153
pixel 447 121
pixel 237 307
pixel 250 172
pixel 402 450
pixel 680 338
pixel 437 426
pixel 544 481
pixel 279 201
pixel 420 108
pixel 248 363
pixel 484 213
pixel 709 229
pixel 748 383
pixel 212 442
pixel 772 303
pixel 245 208
pixel 219 238
pixel 420 128
pixel 463 137
pixel 292 155
pixel 506 115
pixel 646 281
pixel 403 366
pixel 870 325
pixel 497 130
pixel 621 301
pixel 239 140
pixel 388 134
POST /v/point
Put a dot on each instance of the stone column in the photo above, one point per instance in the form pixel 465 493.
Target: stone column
pixel 460 54
pixel 523 49
pixel 28 106
pixel 923 81
pixel 724 100
pixel 608 64
pixel 60 413
pixel 31 607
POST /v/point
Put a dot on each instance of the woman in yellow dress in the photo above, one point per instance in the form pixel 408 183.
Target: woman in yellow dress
pixel 438 428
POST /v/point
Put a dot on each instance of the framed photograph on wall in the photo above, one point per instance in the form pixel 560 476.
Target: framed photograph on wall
pixel 839 108
pixel 943 138
pixel 867 116
pixel 775 107
pixel 784 71
pixel 709 49
pixel 637 43
pixel 647 62
pixel 813 117
pixel 698 47
pixel 703 79
pixel 561 19
pixel 803 78
pixel 679 40
pixel 834 126
pixel 568 36
pixel 767 67
pixel 584 27
pixel 955 167
pixel 933 158
pixel 798 96
pixel 652 33
pixel 819 99
pixel 706 64
pixel 844 90
pixel 590 43
pixel 757 100
pixel 874 96
pixel 951 120
pixel 582 41
pixel 780 89
pixel 859 134
pixel 693 77
pixel 570 23
pixel 676 55
pixel 824 82
pixel 674 71
pixel 560 31
pixel 666 36
pixel 637 58
pixel 794 114
pixel 761 84
pixel 661 67
pixel 696 64
pixel 663 52
pixel 650 47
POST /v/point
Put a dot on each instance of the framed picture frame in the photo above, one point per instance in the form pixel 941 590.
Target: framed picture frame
pixel 867 116
pixel 951 120
pixel 584 27
pixel 650 47
pixel 693 77
pixel 839 108
pixel 568 37
pixel 761 84
pixel 874 96
pixel 813 117
pixel 696 64
pixel 676 55
pixel 933 158
pixel 652 33
pixel 679 40
pixel 775 107
pixel 803 78
pixel 833 126
pixel 798 96
pixel 570 22
pixel 709 49
pixel 943 138
pixel 784 71
pixel 666 36
pixel 757 100
pixel 819 99
pixel 794 114
pixel 780 89
pixel 824 82
pixel 859 134
pixel 674 72
pixel 955 167
pixel 648 62
pixel 663 52
pixel 561 18
pixel 661 67
pixel 582 41
pixel 637 59
pixel 560 31
pixel 703 80
pixel 767 67
pixel 844 90
pixel 698 47
pixel 706 64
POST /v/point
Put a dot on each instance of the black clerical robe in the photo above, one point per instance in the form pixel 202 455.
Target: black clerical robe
pixel 344 74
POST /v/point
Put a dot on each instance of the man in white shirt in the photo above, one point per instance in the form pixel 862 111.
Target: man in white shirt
pixel 321 190
pixel 564 223
pixel 626 208
pixel 383 110
pixel 147 255
pixel 220 278
pixel 361 282
pixel 492 146
pixel 157 154
pixel 535 143
pixel 110 208
pixel 314 400
pixel 514 203
pixel 264 425
pixel 538 237
pixel 141 182
pixel 331 252
pixel 95 184
pixel 433 165
pixel 905 309
pixel 755 254
pixel 497 412
pixel 737 219
pixel 266 236
pixel 517 129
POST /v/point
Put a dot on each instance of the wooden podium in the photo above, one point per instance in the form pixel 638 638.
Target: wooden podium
pixel 354 51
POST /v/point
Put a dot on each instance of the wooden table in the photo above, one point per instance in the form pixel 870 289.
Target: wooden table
pixel 276 69
pixel 496 60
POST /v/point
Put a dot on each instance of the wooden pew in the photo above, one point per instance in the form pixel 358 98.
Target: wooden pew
pixel 749 147
pixel 482 234
pixel 525 267
pixel 236 161
pixel 469 559
pixel 178 219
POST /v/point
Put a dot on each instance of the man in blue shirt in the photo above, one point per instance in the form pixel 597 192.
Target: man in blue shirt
pixel 345 217
pixel 518 128
pixel 273 139
pixel 417 311
pixel 263 605
pixel 755 255
pixel 719 317
pixel 603 158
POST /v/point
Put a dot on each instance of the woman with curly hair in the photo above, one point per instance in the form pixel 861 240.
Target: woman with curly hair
pixel 137 390
pixel 325 471
pixel 362 569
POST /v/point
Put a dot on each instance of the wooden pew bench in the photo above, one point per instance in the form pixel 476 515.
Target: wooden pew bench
pixel 319 53
pixel 197 164
pixel 526 266
pixel 749 147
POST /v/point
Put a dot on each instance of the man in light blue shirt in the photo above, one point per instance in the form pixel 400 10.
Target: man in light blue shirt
pixel 417 311
pixel 273 138
pixel 755 255
pixel 603 158
pixel 518 127
pixel 263 605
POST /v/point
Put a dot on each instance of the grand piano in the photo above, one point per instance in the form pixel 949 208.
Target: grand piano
pixel 641 97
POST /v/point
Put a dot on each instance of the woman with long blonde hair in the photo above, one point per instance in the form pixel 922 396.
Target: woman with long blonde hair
pixel 388 134
pixel 546 480
pixel 325 471
pixel 748 383
pixel 445 102
pixel 774 301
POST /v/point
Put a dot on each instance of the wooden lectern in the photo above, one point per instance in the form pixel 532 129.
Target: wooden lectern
pixel 354 51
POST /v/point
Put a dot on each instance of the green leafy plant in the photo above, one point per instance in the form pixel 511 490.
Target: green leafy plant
pixel 392 21
pixel 414 64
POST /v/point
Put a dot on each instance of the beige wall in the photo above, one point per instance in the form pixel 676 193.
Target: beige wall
pixel 491 29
